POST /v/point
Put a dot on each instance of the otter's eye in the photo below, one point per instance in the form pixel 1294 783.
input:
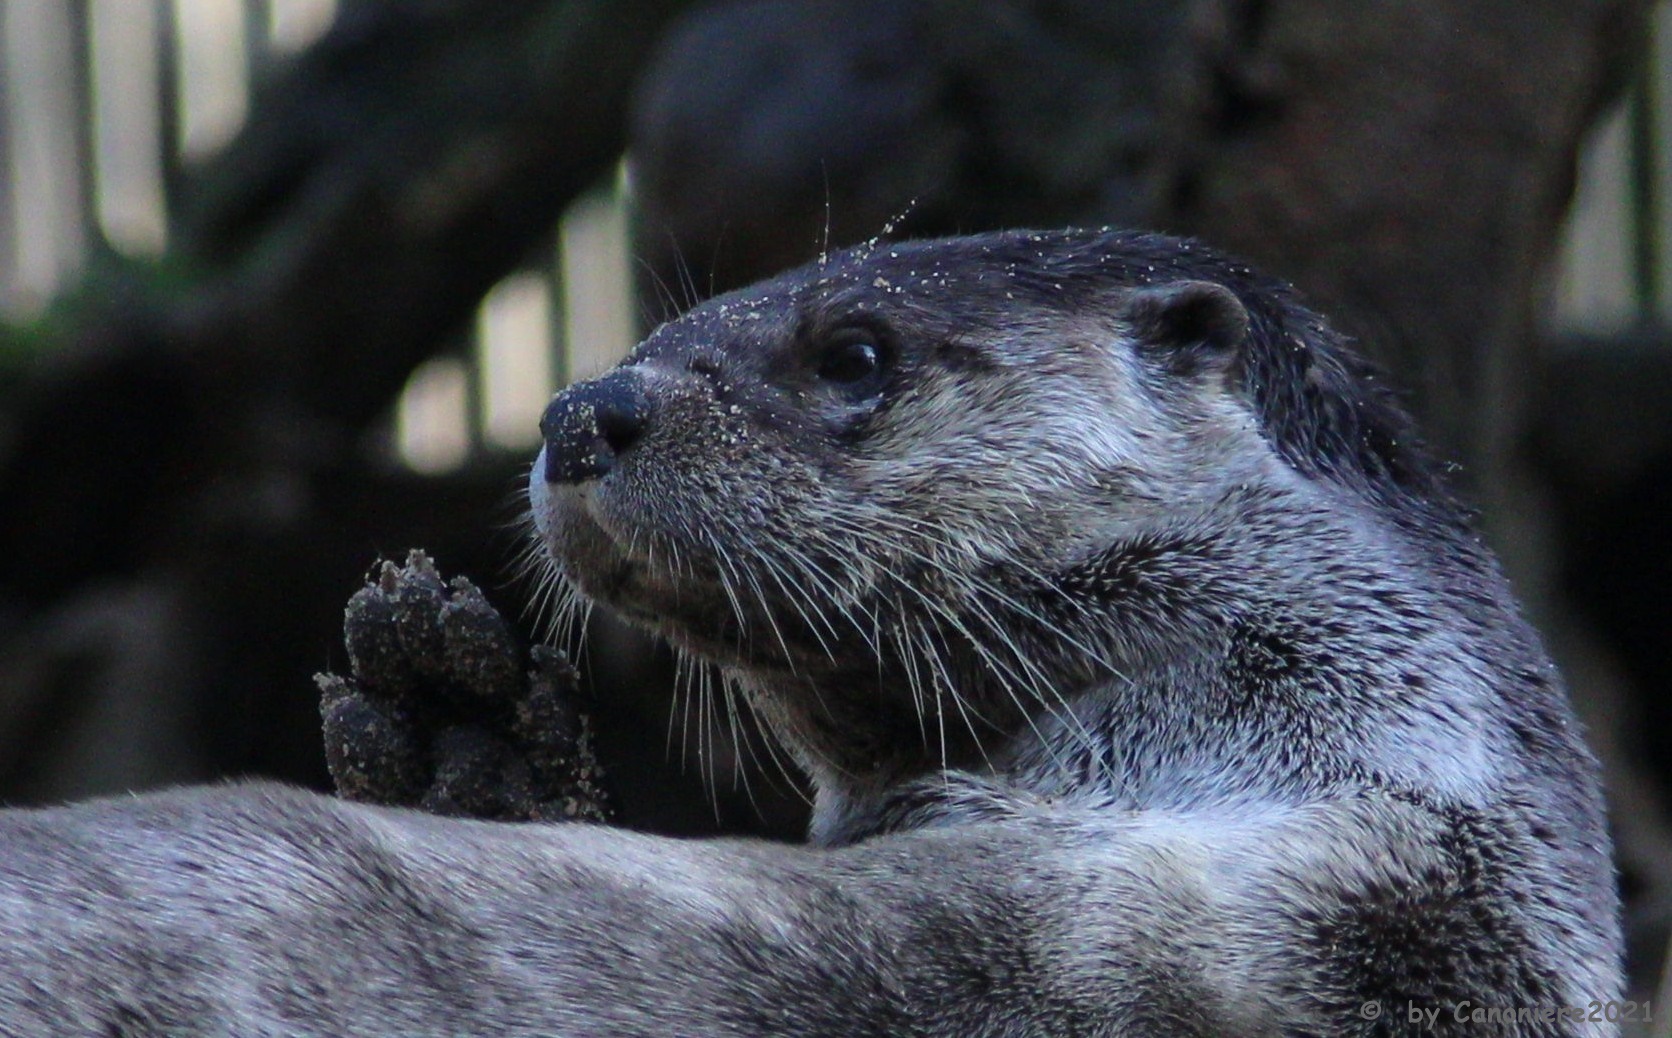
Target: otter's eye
pixel 851 361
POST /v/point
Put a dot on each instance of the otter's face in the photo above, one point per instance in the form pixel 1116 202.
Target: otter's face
pixel 698 484
pixel 853 476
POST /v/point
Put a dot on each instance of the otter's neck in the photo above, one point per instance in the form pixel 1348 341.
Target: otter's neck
pixel 1223 619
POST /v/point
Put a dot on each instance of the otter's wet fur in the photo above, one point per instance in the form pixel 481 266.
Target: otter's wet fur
pixel 1148 676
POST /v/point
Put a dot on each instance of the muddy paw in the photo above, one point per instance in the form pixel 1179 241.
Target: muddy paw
pixel 443 710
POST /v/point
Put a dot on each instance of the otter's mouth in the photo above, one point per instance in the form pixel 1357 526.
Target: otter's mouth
pixel 635 573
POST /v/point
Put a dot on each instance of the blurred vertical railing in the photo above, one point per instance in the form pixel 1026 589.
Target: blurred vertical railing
pixel 102 101
pixel 1613 269
pixel 567 317
pixel 46 213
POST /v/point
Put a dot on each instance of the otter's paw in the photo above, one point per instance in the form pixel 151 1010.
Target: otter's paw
pixel 443 710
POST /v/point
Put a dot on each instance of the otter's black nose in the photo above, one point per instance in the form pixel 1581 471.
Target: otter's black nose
pixel 591 424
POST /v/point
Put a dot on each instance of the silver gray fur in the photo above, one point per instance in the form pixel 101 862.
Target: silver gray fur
pixel 1150 681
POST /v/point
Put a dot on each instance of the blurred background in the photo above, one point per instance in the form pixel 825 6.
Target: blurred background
pixel 285 284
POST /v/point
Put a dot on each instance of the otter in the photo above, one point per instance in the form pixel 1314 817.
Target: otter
pixel 1148 676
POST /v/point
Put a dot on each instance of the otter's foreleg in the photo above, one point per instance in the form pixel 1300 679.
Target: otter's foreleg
pixel 260 910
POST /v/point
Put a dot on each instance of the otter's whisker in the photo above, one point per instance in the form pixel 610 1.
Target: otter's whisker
pixel 945 687
pixel 799 602
pixel 794 603
pixel 726 571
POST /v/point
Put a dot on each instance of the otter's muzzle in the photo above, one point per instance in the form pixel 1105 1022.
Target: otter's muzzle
pixel 590 425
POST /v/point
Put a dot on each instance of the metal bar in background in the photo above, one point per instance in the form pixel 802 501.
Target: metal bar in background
pixel 168 108
pixel 598 301
pixel 514 359
pixel 563 343
pixel 258 20
pixel 292 25
pixel 47 211
pixel 8 173
pixel 1658 119
pixel 79 85
pixel 128 149
pixel 1595 283
pixel 213 84
pixel 1641 101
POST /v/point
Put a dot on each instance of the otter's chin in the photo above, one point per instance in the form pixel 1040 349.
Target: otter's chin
pixel 607 567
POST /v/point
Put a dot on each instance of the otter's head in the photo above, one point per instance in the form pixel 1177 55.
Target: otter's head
pixel 855 487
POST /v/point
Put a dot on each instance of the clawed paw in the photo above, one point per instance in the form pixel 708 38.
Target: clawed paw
pixel 444 711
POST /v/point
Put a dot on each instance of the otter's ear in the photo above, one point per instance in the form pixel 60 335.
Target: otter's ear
pixel 1192 325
